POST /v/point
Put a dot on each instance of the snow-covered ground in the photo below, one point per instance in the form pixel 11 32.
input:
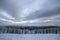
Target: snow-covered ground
pixel 29 36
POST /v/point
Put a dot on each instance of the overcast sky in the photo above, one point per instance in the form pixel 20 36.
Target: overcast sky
pixel 31 12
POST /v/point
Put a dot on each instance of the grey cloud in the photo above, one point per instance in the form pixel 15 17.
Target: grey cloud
pixel 20 10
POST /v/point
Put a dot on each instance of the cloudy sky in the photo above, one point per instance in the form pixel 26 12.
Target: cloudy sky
pixel 30 12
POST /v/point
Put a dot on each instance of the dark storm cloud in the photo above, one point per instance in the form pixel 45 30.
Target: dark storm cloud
pixel 40 14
